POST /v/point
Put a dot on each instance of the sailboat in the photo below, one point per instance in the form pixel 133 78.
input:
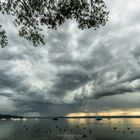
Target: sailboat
pixel 109 118
pixel 98 118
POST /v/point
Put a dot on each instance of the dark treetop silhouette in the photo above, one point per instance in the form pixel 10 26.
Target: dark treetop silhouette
pixel 31 14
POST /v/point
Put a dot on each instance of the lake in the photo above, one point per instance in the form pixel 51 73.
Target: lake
pixel 70 129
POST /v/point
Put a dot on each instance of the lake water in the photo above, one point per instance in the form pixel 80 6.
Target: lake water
pixel 70 129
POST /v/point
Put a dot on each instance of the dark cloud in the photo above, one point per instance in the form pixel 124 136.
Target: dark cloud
pixel 76 70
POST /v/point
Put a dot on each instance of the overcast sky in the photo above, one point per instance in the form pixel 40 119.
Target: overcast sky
pixel 76 71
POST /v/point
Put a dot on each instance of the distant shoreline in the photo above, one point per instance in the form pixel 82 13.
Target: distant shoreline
pixel 66 117
pixel 84 117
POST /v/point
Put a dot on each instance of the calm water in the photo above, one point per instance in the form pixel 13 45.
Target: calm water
pixel 70 129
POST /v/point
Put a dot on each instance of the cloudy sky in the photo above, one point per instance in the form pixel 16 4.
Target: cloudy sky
pixel 76 71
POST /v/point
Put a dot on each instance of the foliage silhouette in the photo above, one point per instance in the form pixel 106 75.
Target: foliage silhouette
pixel 3 38
pixel 30 15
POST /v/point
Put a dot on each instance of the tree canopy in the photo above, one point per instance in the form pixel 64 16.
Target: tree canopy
pixel 32 15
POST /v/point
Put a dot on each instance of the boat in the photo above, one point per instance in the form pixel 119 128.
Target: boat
pixel 98 118
pixel 55 118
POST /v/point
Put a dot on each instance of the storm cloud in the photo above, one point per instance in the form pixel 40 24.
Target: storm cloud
pixel 76 70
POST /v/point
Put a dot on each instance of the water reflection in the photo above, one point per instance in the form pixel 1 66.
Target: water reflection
pixel 6 129
pixel 70 129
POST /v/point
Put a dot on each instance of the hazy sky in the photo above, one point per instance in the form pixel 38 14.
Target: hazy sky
pixel 76 71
